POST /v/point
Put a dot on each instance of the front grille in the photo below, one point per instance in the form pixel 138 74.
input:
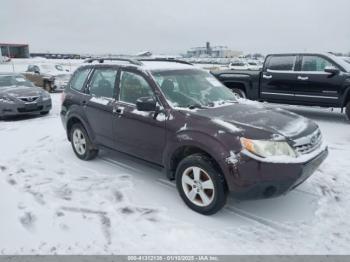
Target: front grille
pixel 28 99
pixel 308 144
pixel 27 110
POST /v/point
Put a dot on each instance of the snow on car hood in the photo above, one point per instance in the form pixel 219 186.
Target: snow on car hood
pixel 19 91
pixel 249 118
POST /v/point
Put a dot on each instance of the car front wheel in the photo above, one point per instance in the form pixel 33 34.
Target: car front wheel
pixel 238 93
pixel 201 184
pixel 81 143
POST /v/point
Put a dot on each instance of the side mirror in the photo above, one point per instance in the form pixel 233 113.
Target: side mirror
pixel 146 104
pixel 332 70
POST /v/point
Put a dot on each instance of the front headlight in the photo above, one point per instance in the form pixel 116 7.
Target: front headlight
pixel 46 96
pixel 4 99
pixel 267 148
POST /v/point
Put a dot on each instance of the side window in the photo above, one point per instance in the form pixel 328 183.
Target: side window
pixel 314 64
pixel 78 80
pixel 103 82
pixel 132 87
pixel 281 63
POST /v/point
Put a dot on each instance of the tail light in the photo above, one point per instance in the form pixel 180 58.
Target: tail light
pixel 63 97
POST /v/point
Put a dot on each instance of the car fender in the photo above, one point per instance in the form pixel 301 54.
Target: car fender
pixel 209 144
pixel 77 112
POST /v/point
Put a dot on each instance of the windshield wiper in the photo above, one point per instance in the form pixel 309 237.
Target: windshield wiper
pixel 194 106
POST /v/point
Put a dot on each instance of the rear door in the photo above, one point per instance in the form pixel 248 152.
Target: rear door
pixel 315 85
pixel 100 102
pixel 140 134
pixel 278 80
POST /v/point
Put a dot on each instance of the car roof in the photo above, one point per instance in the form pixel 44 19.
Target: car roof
pixel 149 65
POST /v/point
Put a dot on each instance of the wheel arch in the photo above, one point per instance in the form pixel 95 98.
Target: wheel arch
pixel 239 85
pixel 74 119
pixel 186 150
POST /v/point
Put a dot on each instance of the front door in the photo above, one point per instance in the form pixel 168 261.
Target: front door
pixel 141 134
pixel 100 102
pixel 315 85
pixel 278 78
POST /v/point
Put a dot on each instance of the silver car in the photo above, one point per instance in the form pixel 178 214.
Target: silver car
pixel 18 96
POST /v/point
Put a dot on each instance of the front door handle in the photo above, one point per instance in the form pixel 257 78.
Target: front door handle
pixel 267 76
pixel 303 78
pixel 118 110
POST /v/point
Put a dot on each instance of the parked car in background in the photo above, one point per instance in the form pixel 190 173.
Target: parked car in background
pixel 51 77
pixel 311 79
pixel 4 59
pixel 254 65
pixel 239 65
pixel 18 96
pixel 183 119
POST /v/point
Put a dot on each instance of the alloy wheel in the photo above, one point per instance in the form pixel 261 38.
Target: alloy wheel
pixel 198 186
pixel 79 141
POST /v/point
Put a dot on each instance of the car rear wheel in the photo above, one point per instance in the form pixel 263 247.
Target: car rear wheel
pixel 347 110
pixel 81 143
pixel 238 93
pixel 43 113
pixel 201 184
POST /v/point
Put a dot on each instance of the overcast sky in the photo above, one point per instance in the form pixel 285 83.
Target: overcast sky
pixel 173 26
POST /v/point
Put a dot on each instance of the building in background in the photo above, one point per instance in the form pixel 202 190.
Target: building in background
pixel 14 50
pixel 213 51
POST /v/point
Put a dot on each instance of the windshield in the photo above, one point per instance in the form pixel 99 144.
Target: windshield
pixel 192 88
pixel 13 80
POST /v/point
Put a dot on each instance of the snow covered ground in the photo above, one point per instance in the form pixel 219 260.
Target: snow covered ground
pixel 51 202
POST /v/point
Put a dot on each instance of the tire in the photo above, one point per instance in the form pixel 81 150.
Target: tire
pixel 81 143
pixel 48 87
pixel 193 174
pixel 43 113
pixel 347 110
pixel 238 93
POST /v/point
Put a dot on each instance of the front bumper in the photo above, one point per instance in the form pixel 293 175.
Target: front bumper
pixel 254 179
pixel 21 108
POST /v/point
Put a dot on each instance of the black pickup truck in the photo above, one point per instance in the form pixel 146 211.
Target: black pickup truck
pixel 311 79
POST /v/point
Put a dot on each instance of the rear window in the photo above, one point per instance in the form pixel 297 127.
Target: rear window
pixel 281 63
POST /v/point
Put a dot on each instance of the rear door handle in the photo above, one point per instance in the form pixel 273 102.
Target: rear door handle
pixel 267 76
pixel 303 78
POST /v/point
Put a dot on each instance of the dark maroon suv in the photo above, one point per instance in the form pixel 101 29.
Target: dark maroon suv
pixel 183 119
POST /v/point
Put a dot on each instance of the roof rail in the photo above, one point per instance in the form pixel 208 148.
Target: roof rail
pixel 136 61
pixel 165 60
pixel 102 59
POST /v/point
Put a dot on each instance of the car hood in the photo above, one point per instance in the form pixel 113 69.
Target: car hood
pixel 20 91
pixel 259 122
